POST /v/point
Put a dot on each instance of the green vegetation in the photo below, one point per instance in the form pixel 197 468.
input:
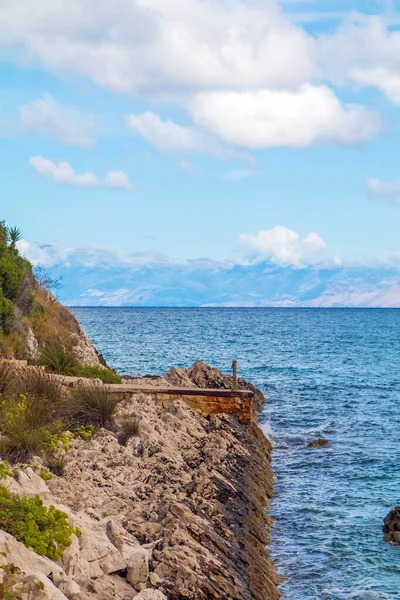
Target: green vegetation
pixel 58 360
pixel 5 470
pixel 83 432
pixel 15 273
pixel 97 372
pixel 90 405
pixel 46 530
pixel 38 418
pixel 46 475
pixel 7 586
pixel 129 429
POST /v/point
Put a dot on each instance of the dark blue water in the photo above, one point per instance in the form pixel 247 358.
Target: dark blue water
pixel 330 372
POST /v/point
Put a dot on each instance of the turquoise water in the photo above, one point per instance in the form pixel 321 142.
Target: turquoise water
pixel 330 372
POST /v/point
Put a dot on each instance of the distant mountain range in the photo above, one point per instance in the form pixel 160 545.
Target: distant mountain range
pixel 207 283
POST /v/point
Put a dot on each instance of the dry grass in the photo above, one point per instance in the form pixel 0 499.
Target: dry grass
pixel 90 405
pixel 42 386
pixel 56 462
pixel 7 377
pixel 129 429
pixel 57 324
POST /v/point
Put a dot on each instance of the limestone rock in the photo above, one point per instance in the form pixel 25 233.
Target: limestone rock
pixel 93 555
pixel 37 592
pixel 151 595
pixel 32 345
pixel 13 552
pixel 83 349
pixel 183 510
pixel 26 483
pixel 203 376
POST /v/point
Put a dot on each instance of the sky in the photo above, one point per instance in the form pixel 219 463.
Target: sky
pixel 239 131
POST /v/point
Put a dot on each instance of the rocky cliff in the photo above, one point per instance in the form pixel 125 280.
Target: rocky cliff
pixel 31 319
pixel 176 511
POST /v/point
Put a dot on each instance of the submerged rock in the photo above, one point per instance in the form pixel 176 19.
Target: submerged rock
pixel 317 443
pixel 391 526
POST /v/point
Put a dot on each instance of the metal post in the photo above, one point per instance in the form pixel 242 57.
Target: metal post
pixel 235 377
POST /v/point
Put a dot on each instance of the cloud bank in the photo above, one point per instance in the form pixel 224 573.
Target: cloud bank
pixel 240 72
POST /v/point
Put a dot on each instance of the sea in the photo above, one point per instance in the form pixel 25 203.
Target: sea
pixel 332 373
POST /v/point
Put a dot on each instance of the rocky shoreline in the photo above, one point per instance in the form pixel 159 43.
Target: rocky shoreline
pixel 179 512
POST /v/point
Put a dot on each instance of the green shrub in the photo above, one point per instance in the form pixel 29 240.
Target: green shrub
pixel 46 530
pixel 59 360
pixel 97 372
pixel 129 429
pixel 4 470
pixel 6 314
pixel 83 432
pixel 46 475
pixel 30 428
pixel 90 405
pixel 41 386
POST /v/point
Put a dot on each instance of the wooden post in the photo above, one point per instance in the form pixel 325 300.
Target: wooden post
pixel 235 377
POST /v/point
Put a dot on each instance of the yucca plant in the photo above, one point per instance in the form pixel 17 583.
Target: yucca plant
pixel 14 235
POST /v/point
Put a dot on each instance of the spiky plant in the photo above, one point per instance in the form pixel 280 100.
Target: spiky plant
pixel 90 405
pixel 14 235
pixel 129 429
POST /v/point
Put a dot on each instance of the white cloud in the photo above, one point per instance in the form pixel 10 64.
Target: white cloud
pixel 365 50
pixel 45 117
pixel 63 172
pixel 142 46
pixel 48 255
pixel 266 118
pixel 239 68
pixel 385 189
pixel 283 246
pixel 118 180
pixel 168 135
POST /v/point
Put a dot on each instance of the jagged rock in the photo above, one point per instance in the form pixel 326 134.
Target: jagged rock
pixel 37 592
pixel 391 526
pixel 110 587
pixel 151 595
pixel 32 345
pixel 26 483
pixel 69 587
pixel 83 349
pixel 194 496
pixel 138 567
pixel 317 443
pixel 92 555
pixel 136 557
pixel 203 376
pixel 180 378
pixel 13 552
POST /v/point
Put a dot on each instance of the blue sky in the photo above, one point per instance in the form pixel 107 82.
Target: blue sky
pixel 240 130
